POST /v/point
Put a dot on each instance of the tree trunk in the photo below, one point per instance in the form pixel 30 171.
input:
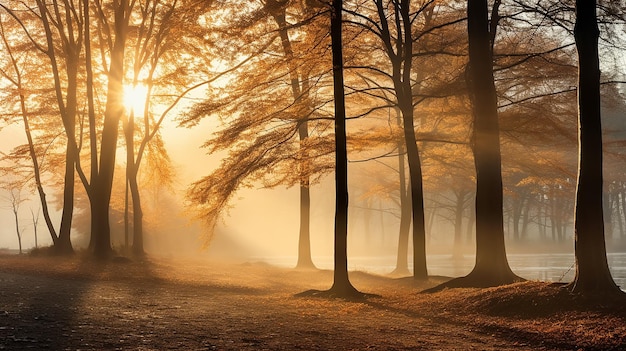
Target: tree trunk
pixel 417 192
pixel 458 222
pixel 619 212
pixel 525 219
pixel 469 226
pixel 17 221
pixel 400 53
pixel 131 178
pixel 36 168
pixel 277 9
pixel 138 249
pixel 491 267
pixel 64 244
pixel 100 226
pixel 402 260
pixel 592 270
pixel 608 215
pixel 518 205
pixel 341 283
pixel 67 111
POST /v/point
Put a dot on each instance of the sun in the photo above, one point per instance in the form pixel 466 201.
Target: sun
pixel 135 98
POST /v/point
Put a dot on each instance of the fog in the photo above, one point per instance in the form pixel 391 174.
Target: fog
pixel 263 224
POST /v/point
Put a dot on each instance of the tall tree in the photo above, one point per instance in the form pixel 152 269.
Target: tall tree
pixel 15 200
pixel 260 116
pixel 400 52
pixel 157 19
pixel 299 90
pixel 14 74
pixel 61 26
pixel 491 267
pixel 592 270
pixel 99 190
pixel 341 282
pixel 401 31
pixel 402 264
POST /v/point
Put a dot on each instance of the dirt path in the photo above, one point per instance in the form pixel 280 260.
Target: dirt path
pixel 206 307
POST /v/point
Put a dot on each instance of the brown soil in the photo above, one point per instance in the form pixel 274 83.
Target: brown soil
pixel 161 304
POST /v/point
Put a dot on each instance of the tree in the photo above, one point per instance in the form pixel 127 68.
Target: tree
pixel 341 283
pixel 260 116
pixel 99 188
pixel 592 270
pixel 299 90
pixel 402 265
pixel 35 222
pixel 15 200
pixel 17 80
pixel 152 40
pixel 401 59
pixel 401 32
pixel 62 37
pixel 491 267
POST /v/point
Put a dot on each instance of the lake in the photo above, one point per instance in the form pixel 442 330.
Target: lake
pixel 557 267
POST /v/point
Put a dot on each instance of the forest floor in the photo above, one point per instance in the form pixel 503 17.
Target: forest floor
pixel 167 304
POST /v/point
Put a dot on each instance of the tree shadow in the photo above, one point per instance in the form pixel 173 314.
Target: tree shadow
pixel 45 300
pixel 332 294
pixel 475 280
pixel 38 309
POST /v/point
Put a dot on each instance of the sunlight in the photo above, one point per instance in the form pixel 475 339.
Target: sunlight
pixel 135 98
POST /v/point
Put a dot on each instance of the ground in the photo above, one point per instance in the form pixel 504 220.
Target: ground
pixel 161 304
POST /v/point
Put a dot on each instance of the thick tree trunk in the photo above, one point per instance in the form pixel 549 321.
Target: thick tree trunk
pixel 341 283
pixel 492 267
pixel 592 270
pixel 64 244
pixel 401 66
pixel 101 229
pixel 402 260
pixel 417 192
pixel 67 110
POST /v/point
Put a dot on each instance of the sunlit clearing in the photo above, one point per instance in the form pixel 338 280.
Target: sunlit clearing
pixel 135 98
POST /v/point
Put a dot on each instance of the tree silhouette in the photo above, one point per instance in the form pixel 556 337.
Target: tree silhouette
pixel 341 283
pixel 592 270
pixel 15 74
pixel 491 267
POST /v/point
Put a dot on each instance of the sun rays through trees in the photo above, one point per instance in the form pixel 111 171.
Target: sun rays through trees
pixel 457 127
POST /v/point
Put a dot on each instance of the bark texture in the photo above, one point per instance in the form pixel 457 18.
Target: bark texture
pixel 592 271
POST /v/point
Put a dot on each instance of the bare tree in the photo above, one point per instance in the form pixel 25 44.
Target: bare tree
pixel 15 200
pixel 35 221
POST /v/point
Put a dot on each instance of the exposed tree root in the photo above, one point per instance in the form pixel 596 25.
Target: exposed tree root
pixel 601 291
